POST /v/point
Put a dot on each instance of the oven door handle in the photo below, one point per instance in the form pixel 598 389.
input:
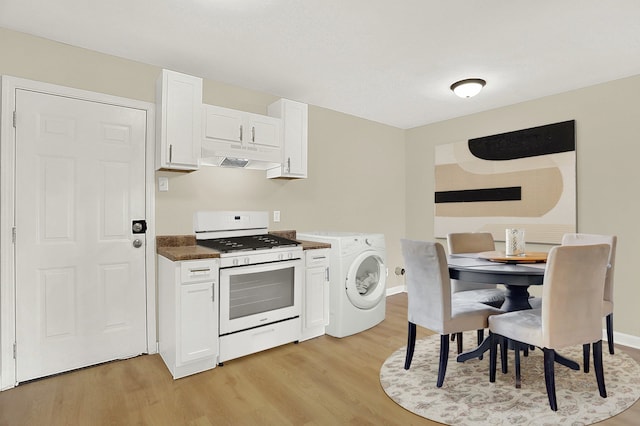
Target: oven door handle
pixel 261 267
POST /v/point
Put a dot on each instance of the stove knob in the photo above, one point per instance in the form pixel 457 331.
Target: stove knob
pixel 235 262
pixel 281 256
pixel 290 255
pixel 246 260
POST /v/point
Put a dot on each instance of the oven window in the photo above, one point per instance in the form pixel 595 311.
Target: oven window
pixel 258 292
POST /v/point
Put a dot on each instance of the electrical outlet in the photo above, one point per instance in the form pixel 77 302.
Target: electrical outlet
pixel 276 215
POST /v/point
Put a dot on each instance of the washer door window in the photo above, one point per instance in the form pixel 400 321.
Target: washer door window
pixel 365 282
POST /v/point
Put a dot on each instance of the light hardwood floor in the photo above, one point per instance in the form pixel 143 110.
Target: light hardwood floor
pixel 323 381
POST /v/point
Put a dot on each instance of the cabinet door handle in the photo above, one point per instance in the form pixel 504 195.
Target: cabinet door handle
pixel 288 164
pixel 327 273
pixel 170 153
pixel 253 133
pixel 241 132
pixel 213 292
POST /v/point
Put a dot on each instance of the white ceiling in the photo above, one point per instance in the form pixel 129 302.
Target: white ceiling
pixel 391 61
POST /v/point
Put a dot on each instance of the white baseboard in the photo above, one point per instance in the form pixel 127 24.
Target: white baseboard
pixel 396 290
pixel 623 339
pixel 620 338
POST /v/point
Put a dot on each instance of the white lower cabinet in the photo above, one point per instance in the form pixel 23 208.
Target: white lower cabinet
pixel 188 315
pixel 315 294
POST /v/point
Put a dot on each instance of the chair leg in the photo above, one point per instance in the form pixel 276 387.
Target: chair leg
pixel 480 338
pixel 516 347
pixel 453 337
pixel 444 357
pixel 610 332
pixel 493 352
pixel 549 377
pixel 411 344
pixel 597 365
pixel 459 342
pixel 504 349
pixel 586 348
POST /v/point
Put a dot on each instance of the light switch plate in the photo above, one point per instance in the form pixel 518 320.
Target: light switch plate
pixel 276 215
pixel 163 184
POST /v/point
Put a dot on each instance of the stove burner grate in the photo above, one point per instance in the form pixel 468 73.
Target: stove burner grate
pixel 247 243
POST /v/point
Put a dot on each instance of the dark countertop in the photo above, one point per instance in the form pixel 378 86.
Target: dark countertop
pixel 184 247
pixel 313 245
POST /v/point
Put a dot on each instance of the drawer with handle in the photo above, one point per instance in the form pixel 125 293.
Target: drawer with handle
pixel 198 270
pixel 316 257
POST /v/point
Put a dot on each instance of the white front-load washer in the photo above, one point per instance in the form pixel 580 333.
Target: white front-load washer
pixel 357 280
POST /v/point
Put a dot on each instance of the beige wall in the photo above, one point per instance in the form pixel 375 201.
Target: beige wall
pixel 35 58
pixel 608 148
pixel 356 167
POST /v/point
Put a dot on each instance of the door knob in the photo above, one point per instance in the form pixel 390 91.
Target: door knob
pixel 137 243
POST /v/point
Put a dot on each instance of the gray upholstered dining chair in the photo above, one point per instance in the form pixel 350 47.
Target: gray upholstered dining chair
pixel 473 242
pixel 430 303
pixel 570 313
pixel 607 305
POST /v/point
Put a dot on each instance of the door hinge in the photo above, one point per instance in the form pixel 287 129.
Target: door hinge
pixel 14 118
pixel 13 235
pixel 15 350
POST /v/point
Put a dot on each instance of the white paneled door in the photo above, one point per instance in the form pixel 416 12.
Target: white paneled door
pixel 80 279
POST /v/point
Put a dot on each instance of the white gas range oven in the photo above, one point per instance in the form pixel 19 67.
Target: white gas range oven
pixel 260 281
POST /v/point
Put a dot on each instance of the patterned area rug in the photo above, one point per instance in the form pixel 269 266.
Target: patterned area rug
pixel 468 398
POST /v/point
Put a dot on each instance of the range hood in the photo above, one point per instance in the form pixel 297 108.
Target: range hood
pixel 213 155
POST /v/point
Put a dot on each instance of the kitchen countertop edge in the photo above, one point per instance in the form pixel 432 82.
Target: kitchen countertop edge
pixel 184 247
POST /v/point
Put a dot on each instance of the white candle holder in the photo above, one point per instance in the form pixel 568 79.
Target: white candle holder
pixel 514 242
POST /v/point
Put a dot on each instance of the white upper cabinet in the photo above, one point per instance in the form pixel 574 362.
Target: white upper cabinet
pixel 229 134
pixel 265 131
pixel 294 115
pixel 224 125
pixel 178 121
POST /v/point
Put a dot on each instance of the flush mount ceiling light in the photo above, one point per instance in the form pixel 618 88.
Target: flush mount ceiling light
pixel 468 88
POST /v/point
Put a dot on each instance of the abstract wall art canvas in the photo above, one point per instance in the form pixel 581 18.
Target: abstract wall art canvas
pixel 522 179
